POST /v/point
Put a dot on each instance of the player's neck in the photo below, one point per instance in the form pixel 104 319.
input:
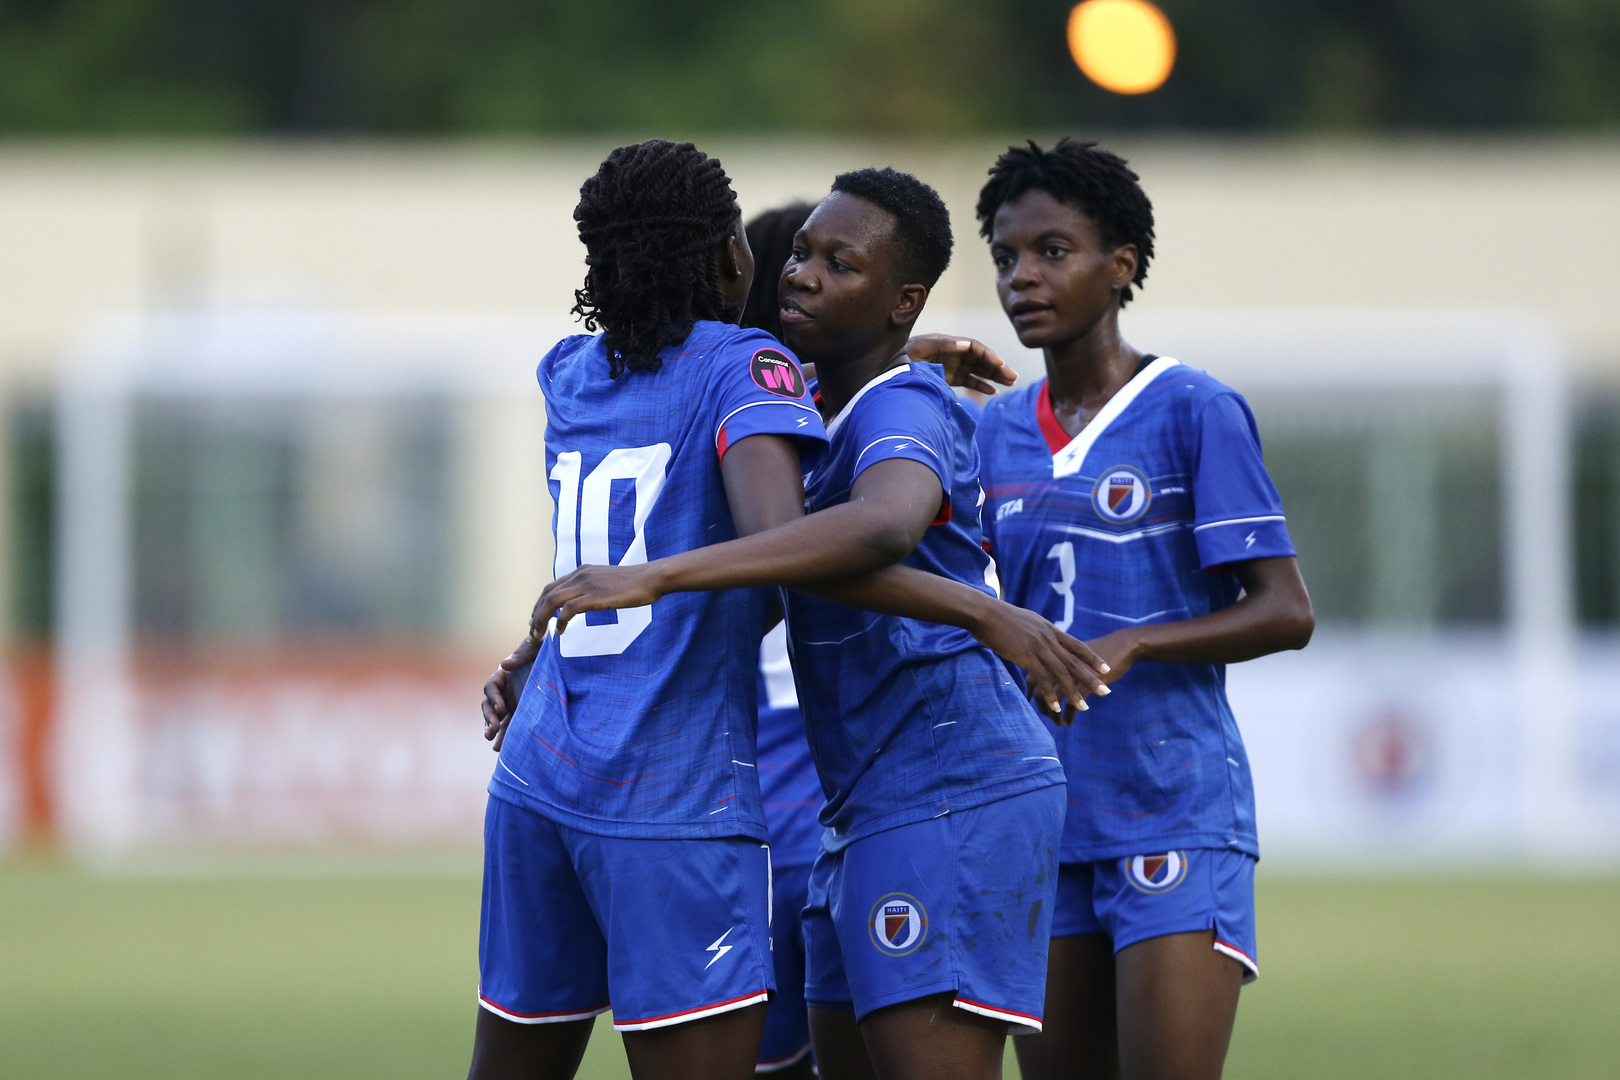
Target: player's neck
pixel 839 379
pixel 1083 373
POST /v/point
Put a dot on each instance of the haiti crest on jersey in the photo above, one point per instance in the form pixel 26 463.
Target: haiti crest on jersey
pixel 1157 873
pixel 898 924
pixel 1122 494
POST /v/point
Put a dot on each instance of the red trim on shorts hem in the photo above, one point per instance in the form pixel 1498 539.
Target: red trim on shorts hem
pixel 692 1014
pixel 1031 1023
pixel 1252 969
pixel 545 1017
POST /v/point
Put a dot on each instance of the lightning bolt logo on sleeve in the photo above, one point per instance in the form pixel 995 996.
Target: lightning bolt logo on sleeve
pixel 718 949
pixel 1248 541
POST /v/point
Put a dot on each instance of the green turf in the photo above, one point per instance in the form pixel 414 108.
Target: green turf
pixel 300 978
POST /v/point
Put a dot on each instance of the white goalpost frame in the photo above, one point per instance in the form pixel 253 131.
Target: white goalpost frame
pixel 478 360
pixel 492 356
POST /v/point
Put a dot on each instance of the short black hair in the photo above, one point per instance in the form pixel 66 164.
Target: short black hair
pixel 923 225
pixel 770 235
pixel 651 219
pixel 1095 181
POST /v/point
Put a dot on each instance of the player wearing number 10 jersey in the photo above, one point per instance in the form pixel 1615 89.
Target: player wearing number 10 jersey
pixel 625 854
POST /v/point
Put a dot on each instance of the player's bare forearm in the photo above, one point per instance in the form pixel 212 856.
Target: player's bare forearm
pixel 1060 667
pixel 889 509
pixel 1273 615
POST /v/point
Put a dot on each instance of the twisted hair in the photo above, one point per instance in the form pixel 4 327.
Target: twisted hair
pixel 1095 181
pixel 770 235
pixel 651 220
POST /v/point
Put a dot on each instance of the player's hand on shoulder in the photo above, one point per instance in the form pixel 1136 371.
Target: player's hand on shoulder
pixel 967 362
pixel 593 588
pixel 501 693
pixel 1062 670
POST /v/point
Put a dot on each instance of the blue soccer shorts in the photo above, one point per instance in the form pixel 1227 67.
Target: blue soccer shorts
pixel 787 1025
pixel 661 931
pixel 959 904
pixel 1173 892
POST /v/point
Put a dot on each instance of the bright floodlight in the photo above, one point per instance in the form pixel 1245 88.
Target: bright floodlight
pixel 1125 46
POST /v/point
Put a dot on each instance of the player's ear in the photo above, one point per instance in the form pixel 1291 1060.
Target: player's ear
pixel 908 304
pixel 735 259
pixel 1126 259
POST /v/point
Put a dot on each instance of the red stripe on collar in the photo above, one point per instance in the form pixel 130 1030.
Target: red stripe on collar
pixel 1056 437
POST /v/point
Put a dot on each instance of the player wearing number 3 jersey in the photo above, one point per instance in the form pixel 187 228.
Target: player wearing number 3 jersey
pixel 1126 500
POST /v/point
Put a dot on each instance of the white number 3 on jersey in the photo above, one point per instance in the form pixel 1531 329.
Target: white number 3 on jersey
pixel 582 524
pixel 1064 585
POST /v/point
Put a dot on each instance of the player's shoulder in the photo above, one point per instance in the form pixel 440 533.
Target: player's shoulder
pixel 570 353
pixel 1009 406
pixel 926 381
pixel 746 353
pixel 1191 386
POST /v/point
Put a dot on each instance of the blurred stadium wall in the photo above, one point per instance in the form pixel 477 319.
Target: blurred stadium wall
pixel 273 493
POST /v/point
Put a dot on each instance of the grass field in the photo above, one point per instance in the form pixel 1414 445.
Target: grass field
pixel 372 976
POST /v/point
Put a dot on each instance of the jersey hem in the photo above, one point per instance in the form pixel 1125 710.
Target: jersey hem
pixel 913 815
pixel 631 830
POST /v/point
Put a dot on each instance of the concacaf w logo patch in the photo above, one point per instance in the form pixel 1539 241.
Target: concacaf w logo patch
pixel 898 924
pixel 1122 494
pixel 1157 873
pixel 776 373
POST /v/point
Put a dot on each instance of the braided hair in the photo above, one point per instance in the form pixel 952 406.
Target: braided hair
pixel 770 235
pixel 651 219
pixel 1095 181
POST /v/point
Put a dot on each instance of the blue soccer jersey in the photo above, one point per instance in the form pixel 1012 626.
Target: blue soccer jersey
pixel 1132 522
pixel 909 720
pixel 787 776
pixel 640 722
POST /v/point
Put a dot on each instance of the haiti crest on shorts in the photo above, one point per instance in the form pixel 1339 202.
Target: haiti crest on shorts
pixel 1157 873
pixel 898 924
pixel 1122 494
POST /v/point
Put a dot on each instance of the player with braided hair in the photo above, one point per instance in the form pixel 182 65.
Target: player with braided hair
pixel 1127 500
pixel 655 220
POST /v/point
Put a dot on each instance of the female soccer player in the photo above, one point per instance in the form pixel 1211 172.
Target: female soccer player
pixel 624 848
pixel 1127 501
pixel 927 923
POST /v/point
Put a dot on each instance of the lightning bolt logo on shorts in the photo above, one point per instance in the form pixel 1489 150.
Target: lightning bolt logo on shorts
pixel 718 949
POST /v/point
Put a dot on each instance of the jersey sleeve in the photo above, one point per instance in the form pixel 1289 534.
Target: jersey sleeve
pixel 1237 512
pixel 901 421
pixel 760 390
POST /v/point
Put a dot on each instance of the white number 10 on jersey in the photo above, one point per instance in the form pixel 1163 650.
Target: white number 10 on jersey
pixel 582 535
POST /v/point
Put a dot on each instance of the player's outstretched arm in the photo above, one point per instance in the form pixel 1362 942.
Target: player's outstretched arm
pixel 1058 667
pixel 1274 614
pixel 845 553
pixel 967 362
pixel 889 509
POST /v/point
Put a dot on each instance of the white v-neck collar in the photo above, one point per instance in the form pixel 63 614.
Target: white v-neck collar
pixel 1067 461
pixel 843 414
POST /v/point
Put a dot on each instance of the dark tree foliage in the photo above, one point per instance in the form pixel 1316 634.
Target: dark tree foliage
pixel 892 66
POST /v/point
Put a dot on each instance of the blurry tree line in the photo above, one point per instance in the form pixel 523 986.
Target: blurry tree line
pixel 691 66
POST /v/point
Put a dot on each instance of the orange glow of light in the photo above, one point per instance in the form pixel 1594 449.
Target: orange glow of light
pixel 1126 46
